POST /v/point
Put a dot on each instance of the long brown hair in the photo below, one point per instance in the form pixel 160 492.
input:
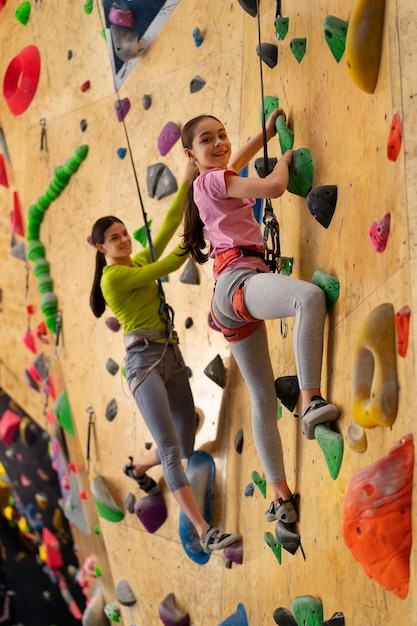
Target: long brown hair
pixel 194 241
pixel 97 301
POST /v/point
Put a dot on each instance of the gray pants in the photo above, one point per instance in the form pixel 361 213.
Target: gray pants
pixel 166 403
pixel 272 296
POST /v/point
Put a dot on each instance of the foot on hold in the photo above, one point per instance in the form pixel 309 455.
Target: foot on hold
pixel 214 539
pixel 329 284
pixel 317 411
pixel 332 445
pixel 284 511
pixel 145 482
pixel 287 536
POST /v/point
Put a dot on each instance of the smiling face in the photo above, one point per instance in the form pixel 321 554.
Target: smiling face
pixel 117 244
pixel 210 146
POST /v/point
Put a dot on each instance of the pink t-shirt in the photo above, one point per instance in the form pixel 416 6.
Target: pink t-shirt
pixel 228 222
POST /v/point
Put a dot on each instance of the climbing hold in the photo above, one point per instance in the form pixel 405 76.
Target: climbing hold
pixel 122 108
pixel 239 441
pixel 160 181
pixel 287 536
pixel 268 53
pixel 127 44
pixel 300 172
pixel 198 37
pixel 196 84
pixel 298 47
pixel 111 366
pixel 18 251
pixel 284 617
pixel 374 377
pixel 146 102
pixel 188 322
pixel 234 552
pixel 121 17
pixel 216 371
pixel 22 13
pixel 121 153
pixel 113 324
pixel 83 126
pixel 321 202
pixel 168 136
pixel 377 525
pixel 332 446
pixel 259 481
pixel 141 234
pixel 250 6
pixel 274 545
pixel 307 610
pixel 364 43
pixel 94 614
pixel 379 233
pixel 111 410
pixel 190 275
pixel 63 413
pixel 395 138
pixel 124 593
pixel 271 104
pixel 21 79
pixel 281 27
pixel 329 284
pixel 260 166
pixel 337 619
pixel 239 617
pixel 112 612
pixel 29 341
pixel 3 172
pixel 52 549
pixel 9 426
pixel 211 323
pixel 402 326
pixel 335 31
pixel 287 390
pixel 151 511
pixel 130 502
pixel 106 506
pixel 356 437
pixel 88 6
pixel 285 134
pixel 170 614
pixel 85 86
pixel 249 490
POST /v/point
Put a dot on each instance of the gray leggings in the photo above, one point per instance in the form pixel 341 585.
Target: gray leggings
pixel 166 403
pixel 272 296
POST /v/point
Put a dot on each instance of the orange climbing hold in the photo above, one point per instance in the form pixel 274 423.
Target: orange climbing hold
pixel 395 138
pixel 402 326
pixel 377 517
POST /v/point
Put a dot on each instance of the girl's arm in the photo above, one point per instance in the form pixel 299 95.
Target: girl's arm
pixel 251 147
pixel 272 186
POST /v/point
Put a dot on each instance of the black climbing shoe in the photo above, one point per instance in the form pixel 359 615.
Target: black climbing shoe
pixel 145 482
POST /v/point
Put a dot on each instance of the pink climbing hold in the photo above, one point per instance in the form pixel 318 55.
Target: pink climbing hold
pixel 379 232
pixel 122 108
pixel 9 425
pixel 24 481
pixel 402 326
pixel 168 136
pixel 29 341
pixel 121 17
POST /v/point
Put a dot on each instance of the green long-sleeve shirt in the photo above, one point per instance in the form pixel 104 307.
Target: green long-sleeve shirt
pixel 132 292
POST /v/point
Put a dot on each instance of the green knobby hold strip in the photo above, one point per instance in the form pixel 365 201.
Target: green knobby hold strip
pixel 307 610
pixel 274 545
pixel 260 482
pixel 332 445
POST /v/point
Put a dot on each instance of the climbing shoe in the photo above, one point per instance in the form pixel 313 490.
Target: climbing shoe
pixel 284 511
pixel 317 411
pixel 145 482
pixel 214 539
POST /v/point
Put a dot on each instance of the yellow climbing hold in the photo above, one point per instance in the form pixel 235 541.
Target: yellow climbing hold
pixel 374 376
pixel 356 437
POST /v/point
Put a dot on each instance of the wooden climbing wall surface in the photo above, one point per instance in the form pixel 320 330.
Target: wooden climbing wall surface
pixel 346 131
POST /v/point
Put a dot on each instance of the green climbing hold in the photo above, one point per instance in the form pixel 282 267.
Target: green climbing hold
pixel 271 104
pixel 63 413
pixel 141 235
pixel 274 545
pixel 298 47
pixel 281 26
pixel 81 152
pixel 307 610
pixel 22 13
pixel 88 6
pixel 329 284
pixel 300 172
pixel 285 134
pixel 45 283
pixel 332 445
pixel 259 481
pixel 106 506
pixel 35 250
pixel 335 31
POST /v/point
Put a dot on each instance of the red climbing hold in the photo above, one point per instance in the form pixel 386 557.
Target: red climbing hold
pixel 16 222
pixel 21 79
pixel 395 138
pixel 3 173
pixel 402 326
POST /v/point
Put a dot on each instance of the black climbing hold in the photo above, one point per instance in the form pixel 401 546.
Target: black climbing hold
pixel 288 390
pixel 189 372
pixel 321 203
pixel 284 617
pixel 289 539
pixel 188 322
pixel 190 274
pixel 268 53
pixel 337 619
pixel 111 410
pixel 148 445
pixel 250 6
pixel 196 84
pixel 69 55
pixel 83 125
pixel 216 371
pixel 239 441
pixel 260 166
pixel 111 366
pixel 146 102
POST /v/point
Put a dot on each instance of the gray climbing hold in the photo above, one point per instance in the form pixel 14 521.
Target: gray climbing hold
pixel 170 614
pixel 111 410
pixel 146 102
pixel 124 593
pixel 94 613
pixel 127 44
pixel 196 84
pixel 130 502
pixel 239 441
pixel 111 366
pixel 18 251
pixel 216 371
pixel 160 181
pixel 190 274
pixel 188 322
pixel 249 490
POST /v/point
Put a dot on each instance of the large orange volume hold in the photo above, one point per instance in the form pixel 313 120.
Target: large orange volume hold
pixel 364 43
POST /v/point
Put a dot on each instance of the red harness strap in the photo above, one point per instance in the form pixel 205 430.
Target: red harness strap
pixel 236 334
pixel 222 260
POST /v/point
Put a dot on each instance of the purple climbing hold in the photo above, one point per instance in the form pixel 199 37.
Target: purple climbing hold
pixel 168 136
pixel 122 108
pixel 170 614
pixel 152 512
pixel 234 552
pixel 113 323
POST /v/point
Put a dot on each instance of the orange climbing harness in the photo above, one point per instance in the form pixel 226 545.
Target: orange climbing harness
pixel 223 259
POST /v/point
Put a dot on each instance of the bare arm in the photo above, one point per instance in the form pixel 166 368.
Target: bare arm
pixel 272 186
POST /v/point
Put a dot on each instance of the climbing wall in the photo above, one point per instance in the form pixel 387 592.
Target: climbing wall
pixel 346 129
